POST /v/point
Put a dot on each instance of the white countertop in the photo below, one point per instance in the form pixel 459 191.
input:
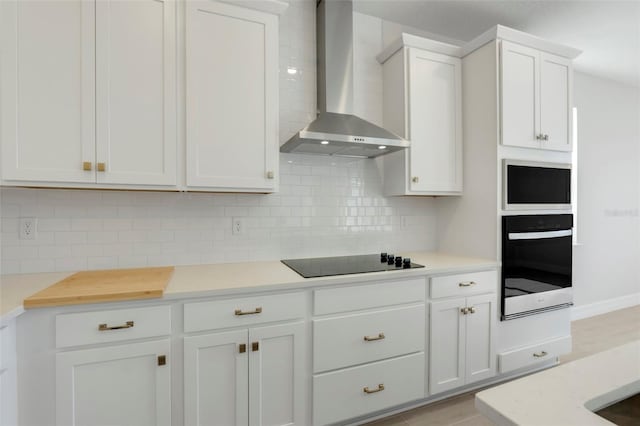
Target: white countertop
pixel 567 394
pixel 241 278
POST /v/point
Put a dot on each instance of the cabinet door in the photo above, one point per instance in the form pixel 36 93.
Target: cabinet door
pixel 480 351
pixel 435 122
pixel 117 385
pixel 47 97
pixel 520 95
pixel 216 379
pixel 136 91
pixel 555 102
pixel 447 345
pixel 277 369
pixel 232 97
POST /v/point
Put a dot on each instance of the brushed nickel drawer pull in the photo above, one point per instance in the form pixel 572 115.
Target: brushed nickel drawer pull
pixel 105 327
pixel 466 284
pixel 239 312
pixel 472 310
pixel 380 336
pixel 464 311
pixel 540 354
pixel 380 388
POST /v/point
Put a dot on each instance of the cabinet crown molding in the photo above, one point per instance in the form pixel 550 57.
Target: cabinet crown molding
pixel 409 40
pixel 500 32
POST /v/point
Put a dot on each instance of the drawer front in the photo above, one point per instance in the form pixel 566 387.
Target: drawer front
pixel 356 339
pixel 464 284
pixel 88 328
pixel 216 314
pixel 341 395
pixel 533 354
pixel 353 298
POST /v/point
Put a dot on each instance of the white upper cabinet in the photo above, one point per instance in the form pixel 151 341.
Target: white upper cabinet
pixel 88 92
pixel 536 98
pixel 136 92
pixel 422 102
pixel 47 96
pixel 232 97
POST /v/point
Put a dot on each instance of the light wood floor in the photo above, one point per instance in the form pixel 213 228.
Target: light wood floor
pixel 590 335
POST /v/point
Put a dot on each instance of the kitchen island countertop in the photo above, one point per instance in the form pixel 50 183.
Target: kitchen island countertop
pixel 242 278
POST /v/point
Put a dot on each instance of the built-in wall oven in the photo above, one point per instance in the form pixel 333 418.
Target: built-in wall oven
pixel 536 264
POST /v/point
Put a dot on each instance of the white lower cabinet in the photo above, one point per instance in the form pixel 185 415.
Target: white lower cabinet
pixel 368 388
pixel 8 379
pixel 115 385
pixel 461 345
pixel 246 377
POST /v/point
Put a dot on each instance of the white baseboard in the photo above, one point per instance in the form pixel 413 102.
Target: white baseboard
pixel 598 308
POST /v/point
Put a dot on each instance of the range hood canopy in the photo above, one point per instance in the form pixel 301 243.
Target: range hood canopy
pixel 337 131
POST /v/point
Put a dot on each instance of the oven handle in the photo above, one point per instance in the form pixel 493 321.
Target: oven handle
pixel 539 235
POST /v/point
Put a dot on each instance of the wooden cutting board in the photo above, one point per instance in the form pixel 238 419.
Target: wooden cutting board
pixel 103 286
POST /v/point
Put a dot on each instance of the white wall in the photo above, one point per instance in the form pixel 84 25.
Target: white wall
pixel 607 263
pixel 325 206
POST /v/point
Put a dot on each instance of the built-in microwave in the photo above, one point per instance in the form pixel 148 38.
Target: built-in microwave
pixel 529 185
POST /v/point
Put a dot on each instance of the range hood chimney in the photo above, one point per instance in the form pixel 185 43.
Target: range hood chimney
pixel 337 131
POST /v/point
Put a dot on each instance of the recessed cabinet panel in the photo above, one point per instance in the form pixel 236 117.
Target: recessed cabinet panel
pixel 114 385
pixel 135 84
pixel 435 111
pixel 47 70
pixel 447 345
pixel 555 102
pixel 520 95
pixel 232 98
pixel 216 377
pixel 480 353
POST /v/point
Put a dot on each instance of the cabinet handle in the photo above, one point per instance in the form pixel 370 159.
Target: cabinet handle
pixel 415 179
pixel 540 354
pixel 258 310
pixel 546 137
pixel 105 327
pixel 380 388
pixel 540 137
pixel 270 175
pixel 101 167
pixel 242 348
pixel 380 336
pixel 86 166
pixel 464 311
pixel 466 284
pixel 255 346
pixel 162 360
pixel 472 310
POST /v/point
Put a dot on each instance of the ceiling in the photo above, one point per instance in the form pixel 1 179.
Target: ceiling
pixel 608 32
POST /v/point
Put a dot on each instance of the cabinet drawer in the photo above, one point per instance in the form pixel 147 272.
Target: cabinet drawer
pixel 216 314
pixel 464 284
pixel 529 355
pixel 353 298
pixel 88 328
pixel 357 339
pixel 341 395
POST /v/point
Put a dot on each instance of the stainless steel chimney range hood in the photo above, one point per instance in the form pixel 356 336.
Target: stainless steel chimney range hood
pixel 337 131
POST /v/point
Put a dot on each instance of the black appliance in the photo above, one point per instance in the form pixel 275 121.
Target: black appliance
pixel 534 185
pixel 344 265
pixel 536 264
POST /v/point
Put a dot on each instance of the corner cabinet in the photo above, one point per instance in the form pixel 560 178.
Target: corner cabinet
pixel 535 98
pixel 423 103
pixel 88 93
pixel 232 95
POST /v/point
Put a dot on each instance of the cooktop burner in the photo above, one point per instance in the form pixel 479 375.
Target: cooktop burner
pixel 344 265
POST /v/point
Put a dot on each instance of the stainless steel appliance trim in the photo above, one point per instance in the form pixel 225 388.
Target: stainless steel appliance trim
pixel 522 305
pixel 539 235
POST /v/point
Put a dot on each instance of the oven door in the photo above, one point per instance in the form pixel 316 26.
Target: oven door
pixel 536 271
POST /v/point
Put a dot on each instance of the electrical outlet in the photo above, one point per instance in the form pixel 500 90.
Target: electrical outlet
pixel 28 228
pixel 237 226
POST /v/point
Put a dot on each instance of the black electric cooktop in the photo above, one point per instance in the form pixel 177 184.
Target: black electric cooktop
pixel 344 265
